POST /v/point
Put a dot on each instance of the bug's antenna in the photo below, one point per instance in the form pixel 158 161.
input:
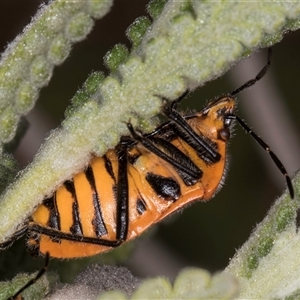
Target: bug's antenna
pixel 273 156
pixel 259 76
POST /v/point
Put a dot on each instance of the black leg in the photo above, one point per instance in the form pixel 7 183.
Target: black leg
pixel 72 237
pixel 172 114
pixel 192 171
pixel 33 280
pixel 18 234
pixel 122 197
pixel 175 102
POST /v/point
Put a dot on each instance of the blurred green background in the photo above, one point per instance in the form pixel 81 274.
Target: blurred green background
pixel 205 234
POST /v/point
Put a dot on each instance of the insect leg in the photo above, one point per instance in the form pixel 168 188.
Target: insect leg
pixel 18 234
pixel 72 237
pixel 33 280
pixel 172 114
pixel 175 102
pixel 275 159
pixel 122 209
pixel 194 173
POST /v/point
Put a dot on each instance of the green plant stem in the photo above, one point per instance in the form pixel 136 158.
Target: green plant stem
pixel 189 44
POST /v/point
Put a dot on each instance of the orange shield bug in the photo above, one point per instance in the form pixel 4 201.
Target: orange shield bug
pixel 140 182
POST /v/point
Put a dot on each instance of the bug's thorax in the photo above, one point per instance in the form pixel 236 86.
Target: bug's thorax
pixel 212 121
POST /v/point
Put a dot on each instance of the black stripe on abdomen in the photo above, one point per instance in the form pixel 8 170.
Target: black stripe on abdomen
pixel 108 168
pixel 54 218
pixel 97 221
pixel 76 227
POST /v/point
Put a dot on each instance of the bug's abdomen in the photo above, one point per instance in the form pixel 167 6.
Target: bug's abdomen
pixel 83 206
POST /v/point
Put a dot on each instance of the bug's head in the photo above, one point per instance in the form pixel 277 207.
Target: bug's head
pixel 213 122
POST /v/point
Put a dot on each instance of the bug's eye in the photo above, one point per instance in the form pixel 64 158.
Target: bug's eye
pixel 224 134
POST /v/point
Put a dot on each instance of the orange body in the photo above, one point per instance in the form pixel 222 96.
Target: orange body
pixel 71 209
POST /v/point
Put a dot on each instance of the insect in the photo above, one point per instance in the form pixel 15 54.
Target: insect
pixel 140 182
